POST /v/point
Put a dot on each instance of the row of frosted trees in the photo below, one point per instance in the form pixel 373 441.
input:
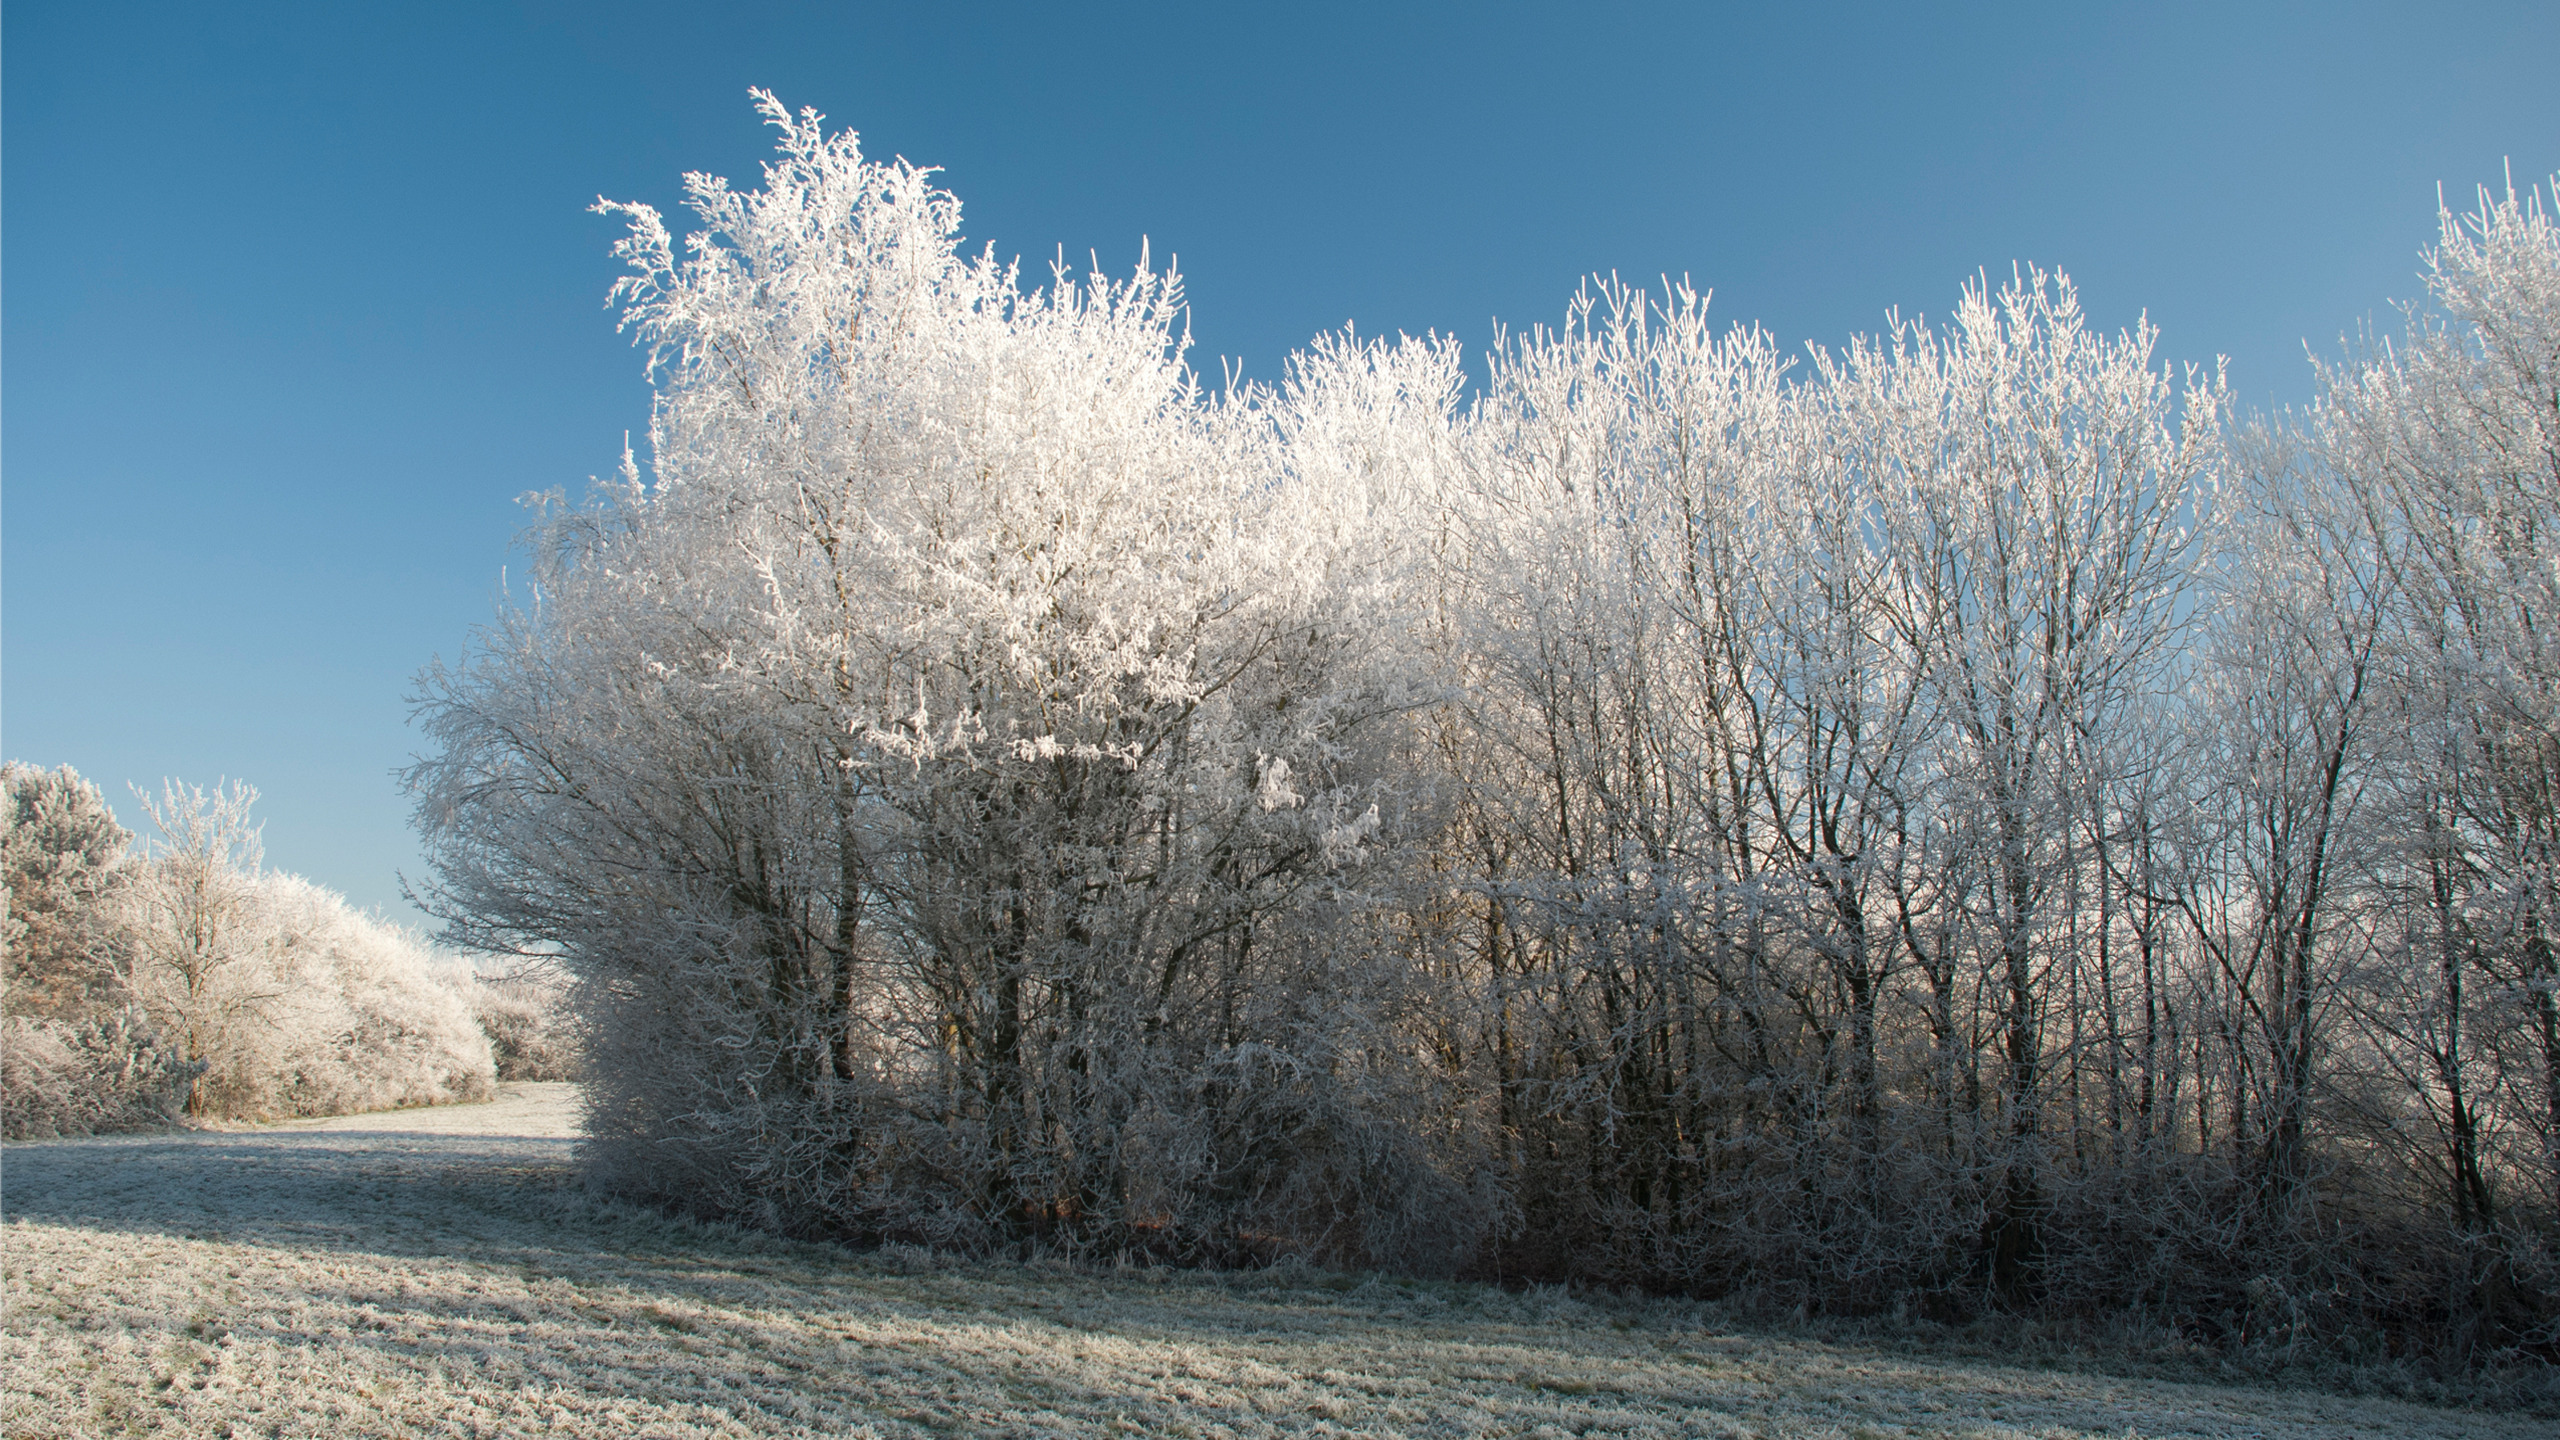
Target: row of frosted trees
pixel 1959 822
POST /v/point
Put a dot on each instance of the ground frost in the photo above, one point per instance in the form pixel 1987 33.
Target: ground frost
pixel 438 1273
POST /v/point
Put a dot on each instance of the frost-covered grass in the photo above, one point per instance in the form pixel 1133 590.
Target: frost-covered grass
pixel 437 1272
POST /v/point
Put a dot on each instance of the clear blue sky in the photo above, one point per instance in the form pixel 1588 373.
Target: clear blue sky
pixel 298 299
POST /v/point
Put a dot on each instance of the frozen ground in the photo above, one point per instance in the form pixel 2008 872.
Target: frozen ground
pixel 434 1273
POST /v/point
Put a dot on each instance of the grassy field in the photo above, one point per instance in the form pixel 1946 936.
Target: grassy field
pixel 437 1273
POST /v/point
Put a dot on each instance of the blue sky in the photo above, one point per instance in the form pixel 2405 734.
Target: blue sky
pixel 298 299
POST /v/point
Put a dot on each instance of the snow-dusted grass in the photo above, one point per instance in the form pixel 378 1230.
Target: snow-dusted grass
pixel 437 1272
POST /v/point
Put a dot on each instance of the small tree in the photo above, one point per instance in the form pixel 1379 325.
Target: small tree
pixel 77 1055
pixel 200 958
pixel 64 858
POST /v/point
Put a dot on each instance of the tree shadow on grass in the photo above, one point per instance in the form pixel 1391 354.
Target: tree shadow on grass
pixel 531 1283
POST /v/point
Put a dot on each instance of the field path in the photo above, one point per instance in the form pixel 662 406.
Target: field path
pixel 437 1273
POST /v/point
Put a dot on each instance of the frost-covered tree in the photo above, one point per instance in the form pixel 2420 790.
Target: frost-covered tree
pixel 2036 489
pixel 188 979
pixel 199 956
pixel 1934 827
pixel 2461 428
pixel 2447 440
pixel 77 1055
pixel 278 996
pixel 928 773
pixel 64 856
pixel 2284 820
pixel 1605 602
pixel 1808 698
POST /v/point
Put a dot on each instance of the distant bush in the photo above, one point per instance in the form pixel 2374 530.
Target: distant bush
pixel 351 1014
pixel 189 981
pixel 530 1032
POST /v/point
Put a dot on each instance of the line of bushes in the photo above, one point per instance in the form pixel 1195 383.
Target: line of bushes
pixel 148 986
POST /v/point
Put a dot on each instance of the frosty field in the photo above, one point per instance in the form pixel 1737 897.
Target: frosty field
pixel 438 1273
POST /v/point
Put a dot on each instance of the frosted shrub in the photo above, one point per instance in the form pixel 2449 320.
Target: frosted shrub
pixel 350 1014
pixel 372 1019
pixel 87 1077
pixel 190 980
pixel 287 1000
pixel 532 1035
pixel 76 1055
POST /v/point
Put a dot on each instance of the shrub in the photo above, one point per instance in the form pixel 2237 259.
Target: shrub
pixel 61 1078
pixel 350 1014
pixel 530 1032
pixel 190 981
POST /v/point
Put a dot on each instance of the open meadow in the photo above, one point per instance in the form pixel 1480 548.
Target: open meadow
pixel 439 1273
